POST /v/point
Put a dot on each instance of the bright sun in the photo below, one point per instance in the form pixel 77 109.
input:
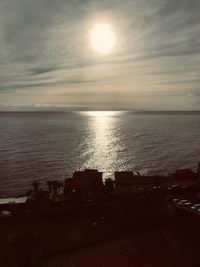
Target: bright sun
pixel 103 38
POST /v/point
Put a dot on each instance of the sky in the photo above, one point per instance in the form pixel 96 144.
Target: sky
pixel 47 60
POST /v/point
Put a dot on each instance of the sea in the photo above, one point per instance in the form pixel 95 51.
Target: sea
pixel 46 146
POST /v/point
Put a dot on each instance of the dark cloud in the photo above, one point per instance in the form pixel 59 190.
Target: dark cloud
pixel 42 70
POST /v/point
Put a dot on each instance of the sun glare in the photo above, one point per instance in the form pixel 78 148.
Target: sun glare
pixel 101 114
pixel 103 38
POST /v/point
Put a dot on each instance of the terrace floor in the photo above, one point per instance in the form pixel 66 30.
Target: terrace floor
pixel 162 247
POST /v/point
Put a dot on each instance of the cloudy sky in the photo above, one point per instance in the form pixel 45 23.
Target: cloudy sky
pixel 47 58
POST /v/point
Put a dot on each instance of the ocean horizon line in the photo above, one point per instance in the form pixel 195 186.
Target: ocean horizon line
pixel 192 112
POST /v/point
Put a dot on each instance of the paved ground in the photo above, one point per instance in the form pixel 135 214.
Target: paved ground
pixel 161 248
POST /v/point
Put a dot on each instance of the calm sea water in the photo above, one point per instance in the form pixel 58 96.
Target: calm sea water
pixel 47 145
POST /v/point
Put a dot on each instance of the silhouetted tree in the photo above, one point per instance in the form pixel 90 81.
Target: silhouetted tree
pixel 108 185
pixel 49 184
pixel 56 184
pixel 35 185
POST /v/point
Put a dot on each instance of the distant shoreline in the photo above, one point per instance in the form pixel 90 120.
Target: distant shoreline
pixel 142 112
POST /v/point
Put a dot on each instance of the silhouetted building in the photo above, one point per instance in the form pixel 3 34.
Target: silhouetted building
pixel 130 178
pixel 124 177
pixel 108 186
pixel 68 186
pixel 184 173
pixel 128 182
pixel 87 180
pixel 87 184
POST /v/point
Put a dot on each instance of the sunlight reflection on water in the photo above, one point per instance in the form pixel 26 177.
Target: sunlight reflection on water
pixel 105 143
